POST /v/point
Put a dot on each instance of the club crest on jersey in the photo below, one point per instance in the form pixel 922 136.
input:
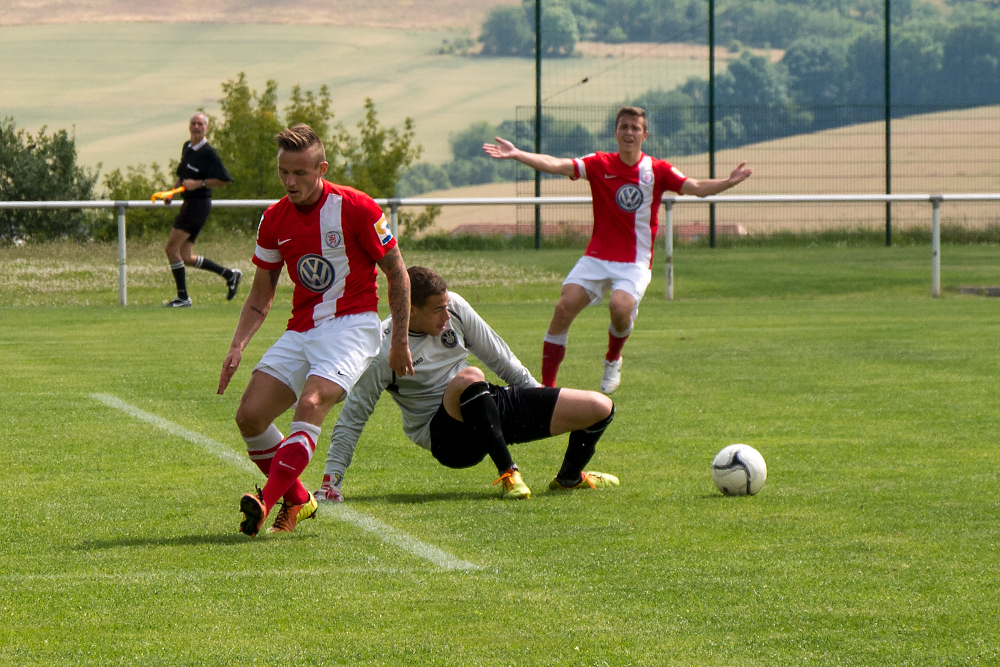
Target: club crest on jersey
pixel 383 231
pixel 315 273
pixel 333 239
pixel 646 178
pixel 449 339
pixel 629 198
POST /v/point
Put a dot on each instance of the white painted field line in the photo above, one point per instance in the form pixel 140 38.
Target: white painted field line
pixel 211 446
pixel 391 535
pixel 384 532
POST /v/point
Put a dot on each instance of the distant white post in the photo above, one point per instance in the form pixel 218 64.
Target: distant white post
pixel 936 247
pixel 394 218
pixel 122 298
pixel 668 250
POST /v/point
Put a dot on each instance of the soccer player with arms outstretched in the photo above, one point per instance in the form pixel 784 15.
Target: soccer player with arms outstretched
pixel 627 188
pixel 450 409
pixel 331 238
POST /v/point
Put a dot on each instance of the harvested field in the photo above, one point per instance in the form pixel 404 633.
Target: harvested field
pixel 946 152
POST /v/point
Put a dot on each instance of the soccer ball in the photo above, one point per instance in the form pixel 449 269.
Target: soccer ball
pixel 739 470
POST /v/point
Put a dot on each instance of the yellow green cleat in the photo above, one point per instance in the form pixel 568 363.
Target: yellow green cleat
pixel 514 487
pixel 290 515
pixel 588 480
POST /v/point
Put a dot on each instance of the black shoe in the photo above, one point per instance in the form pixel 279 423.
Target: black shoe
pixel 177 303
pixel 234 284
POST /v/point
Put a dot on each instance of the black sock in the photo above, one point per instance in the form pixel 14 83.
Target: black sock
pixel 179 278
pixel 480 412
pixel 206 264
pixel 582 445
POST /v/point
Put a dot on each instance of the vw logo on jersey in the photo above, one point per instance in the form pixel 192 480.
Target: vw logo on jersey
pixel 315 273
pixel 629 198
pixel 449 339
pixel 333 239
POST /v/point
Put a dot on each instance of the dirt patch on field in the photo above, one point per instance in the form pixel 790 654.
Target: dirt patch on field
pixel 410 14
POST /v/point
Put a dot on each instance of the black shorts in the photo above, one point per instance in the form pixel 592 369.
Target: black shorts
pixel 192 216
pixel 525 415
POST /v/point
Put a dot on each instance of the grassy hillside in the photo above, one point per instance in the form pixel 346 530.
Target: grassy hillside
pixel 423 14
pixel 128 89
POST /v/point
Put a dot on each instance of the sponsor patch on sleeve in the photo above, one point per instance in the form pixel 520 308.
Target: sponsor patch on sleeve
pixel 677 172
pixel 383 231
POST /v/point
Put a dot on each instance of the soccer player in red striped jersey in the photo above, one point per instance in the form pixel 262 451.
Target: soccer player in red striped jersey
pixel 627 188
pixel 331 238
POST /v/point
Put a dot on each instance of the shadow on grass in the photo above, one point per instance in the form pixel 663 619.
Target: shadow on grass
pixel 414 498
pixel 179 541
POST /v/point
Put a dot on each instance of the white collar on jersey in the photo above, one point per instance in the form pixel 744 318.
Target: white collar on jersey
pixel 198 145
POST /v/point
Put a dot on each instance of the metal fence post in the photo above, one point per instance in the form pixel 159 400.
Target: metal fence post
pixel 936 246
pixel 668 249
pixel 122 294
pixel 394 217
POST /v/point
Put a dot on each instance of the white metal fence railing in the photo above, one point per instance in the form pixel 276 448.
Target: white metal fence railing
pixel 935 200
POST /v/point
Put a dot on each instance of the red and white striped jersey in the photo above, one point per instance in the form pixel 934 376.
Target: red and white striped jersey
pixel 330 249
pixel 626 204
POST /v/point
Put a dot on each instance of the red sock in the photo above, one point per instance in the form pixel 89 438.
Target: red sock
pixel 296 495
pixel 289 462
pixel 615 345
pixel 552 356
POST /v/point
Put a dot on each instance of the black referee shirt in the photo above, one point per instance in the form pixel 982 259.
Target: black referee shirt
pixel 201 165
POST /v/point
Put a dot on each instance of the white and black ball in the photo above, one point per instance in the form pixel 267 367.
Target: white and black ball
pixel 739 470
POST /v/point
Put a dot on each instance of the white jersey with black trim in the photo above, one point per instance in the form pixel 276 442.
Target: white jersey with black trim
pixel 436 360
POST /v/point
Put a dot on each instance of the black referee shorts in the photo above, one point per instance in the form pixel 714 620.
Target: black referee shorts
pixel 192 216
pixel 525 415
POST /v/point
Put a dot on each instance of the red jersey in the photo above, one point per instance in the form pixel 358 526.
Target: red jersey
pixel 330 249
pixel 626 204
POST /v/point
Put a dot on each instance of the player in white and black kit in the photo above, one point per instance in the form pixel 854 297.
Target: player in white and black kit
pixel 450 409
pixel 199 170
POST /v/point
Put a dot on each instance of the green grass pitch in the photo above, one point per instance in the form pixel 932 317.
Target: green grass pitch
pixel 873 542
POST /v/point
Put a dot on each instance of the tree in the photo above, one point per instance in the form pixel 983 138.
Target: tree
pixel 39 168
pixel 244 140
pixel 817 70
pixel 560 32
pixel 311 109
pixel 755 92
pixel 970 72
pixel 469 142
pixel 916 60
pixel 506 32
pixel 374 161
pixel 866 64
pixel 143 223
pixel 666 111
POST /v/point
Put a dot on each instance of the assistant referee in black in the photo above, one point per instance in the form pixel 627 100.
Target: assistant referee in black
pixel 199 171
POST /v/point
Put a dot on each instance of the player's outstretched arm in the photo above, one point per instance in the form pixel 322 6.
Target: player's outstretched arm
pixel 255 309
pixel 505 150
pixel 392 265
pixel 708 187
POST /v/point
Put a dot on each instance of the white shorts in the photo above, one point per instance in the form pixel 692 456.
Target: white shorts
pixel 338 350
pixel 599 276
